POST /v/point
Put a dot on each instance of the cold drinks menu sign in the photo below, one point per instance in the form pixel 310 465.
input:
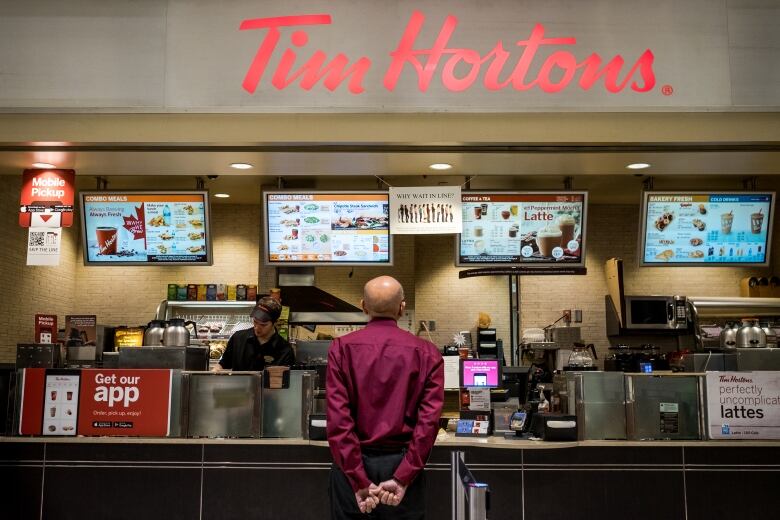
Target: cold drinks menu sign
pixel 706 228
pixel 324 228
pixel 522 228
pixel 145 227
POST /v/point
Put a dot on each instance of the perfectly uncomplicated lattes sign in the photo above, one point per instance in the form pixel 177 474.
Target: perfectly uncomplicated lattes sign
pixel 743 405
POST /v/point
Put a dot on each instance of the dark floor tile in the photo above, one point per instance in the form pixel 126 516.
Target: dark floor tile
pixel 20 492
pixel 31 451
pixel 506 492
pixel 732 494
pixel 608 455
pixel 121 493
pixel 266 453
pixel 113 452
pixel 265 493
pixel 638 495
pixel 732 455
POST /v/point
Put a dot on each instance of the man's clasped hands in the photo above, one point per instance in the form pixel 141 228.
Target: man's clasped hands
pixel 390 492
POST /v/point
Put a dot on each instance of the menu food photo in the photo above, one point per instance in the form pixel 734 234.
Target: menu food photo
pixel 323 228
pixel 522 228
pixel 145 227
pixel 706 228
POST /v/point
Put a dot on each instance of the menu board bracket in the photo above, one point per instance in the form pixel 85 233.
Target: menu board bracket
pixel 522 271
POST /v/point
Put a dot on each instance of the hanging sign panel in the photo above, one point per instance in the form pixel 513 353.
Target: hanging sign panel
pixel 47 198
pixel 425 210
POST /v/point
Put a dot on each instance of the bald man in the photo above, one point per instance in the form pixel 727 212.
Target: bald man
pixel 385 393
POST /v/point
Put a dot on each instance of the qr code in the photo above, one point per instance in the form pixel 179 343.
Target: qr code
pixel 37 238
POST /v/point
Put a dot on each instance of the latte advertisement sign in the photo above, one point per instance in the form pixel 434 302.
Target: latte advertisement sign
pixel 713 229
pixel 136 228
pixel 531 228
pixel 743 405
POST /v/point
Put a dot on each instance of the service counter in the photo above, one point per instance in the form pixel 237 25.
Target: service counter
pixel 103 477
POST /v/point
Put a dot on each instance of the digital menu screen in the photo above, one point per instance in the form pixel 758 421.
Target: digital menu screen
pixel 327 228
pixel 136 228
pixel 511 228
pixel 706 228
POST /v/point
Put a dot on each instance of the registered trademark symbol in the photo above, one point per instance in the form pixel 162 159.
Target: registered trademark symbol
pixel 667 90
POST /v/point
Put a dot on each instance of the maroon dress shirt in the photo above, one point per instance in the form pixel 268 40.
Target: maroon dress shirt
pixel 385 390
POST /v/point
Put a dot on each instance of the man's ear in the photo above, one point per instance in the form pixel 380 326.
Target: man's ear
pixel 363 306
pixel 402 308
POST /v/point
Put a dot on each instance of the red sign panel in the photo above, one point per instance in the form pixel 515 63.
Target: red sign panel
pixel 31 414
pixel 125 402
pixel 47 194
pixel 45 328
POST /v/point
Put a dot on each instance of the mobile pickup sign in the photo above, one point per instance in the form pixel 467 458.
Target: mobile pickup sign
pixel 743 405
pixel 47 198
pixel 125 402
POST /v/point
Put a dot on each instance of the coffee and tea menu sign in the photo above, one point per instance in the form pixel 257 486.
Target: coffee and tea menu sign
pixel 327 228
pixel 697 228
pixel 146 228
pixel 532 228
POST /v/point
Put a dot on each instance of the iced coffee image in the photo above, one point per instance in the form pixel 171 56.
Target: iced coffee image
pixel 726 219
pixel 756 222
pixel 548 238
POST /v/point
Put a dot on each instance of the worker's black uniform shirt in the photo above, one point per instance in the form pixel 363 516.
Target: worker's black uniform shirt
pixel 244 352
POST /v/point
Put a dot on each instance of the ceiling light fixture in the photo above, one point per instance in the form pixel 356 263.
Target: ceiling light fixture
pixel 638 166
pixel 440 166
pixel 222 195
pixel 241 165
pixel 43 165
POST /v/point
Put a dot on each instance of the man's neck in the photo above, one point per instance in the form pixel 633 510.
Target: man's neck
pixel 265 339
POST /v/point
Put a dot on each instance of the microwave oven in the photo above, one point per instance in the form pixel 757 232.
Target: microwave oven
pixel 657 312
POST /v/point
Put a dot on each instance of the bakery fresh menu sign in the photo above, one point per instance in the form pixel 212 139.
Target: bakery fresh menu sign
pixel 146 227
pixel 706 228
pixel 334 227
pixel 522 228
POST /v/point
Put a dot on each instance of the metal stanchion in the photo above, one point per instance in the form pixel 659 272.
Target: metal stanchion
pixel 469 497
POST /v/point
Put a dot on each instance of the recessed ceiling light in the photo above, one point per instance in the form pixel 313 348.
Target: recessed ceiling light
pixel 222 195
pixel 43 165
pixel 440 166
pixel 638 166
pixel 241 166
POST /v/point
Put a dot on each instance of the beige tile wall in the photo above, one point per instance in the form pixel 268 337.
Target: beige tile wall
pixel 423 264
pixel 26 291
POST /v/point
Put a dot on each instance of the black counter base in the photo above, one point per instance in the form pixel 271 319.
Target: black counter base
pixel 59 480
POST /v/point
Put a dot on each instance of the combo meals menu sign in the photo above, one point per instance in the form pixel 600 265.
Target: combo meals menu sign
pixel 743 405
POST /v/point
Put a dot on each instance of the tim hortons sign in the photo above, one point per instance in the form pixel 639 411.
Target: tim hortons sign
pixel 298 63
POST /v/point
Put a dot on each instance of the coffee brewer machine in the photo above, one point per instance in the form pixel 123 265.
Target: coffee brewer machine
pixel 711 316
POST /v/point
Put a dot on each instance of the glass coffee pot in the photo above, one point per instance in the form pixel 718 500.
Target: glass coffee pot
pixel 581 358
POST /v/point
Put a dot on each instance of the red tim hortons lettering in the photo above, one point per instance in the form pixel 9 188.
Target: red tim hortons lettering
pixel 425 63
pixel 313 70
pixel 555 73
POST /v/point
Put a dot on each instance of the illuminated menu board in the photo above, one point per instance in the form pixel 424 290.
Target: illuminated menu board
pixel 137 228
pixel 327 228
pixel 697 228
pixel 511 228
